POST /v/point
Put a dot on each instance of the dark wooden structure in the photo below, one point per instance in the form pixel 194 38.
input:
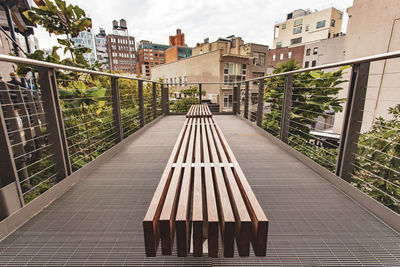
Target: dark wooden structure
pixel 203 190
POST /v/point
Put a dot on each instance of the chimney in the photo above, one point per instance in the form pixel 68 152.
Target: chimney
pixel 178 31
pixel 206 40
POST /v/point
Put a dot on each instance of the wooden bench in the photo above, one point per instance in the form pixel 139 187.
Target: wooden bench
pixel 202 192
pixel 199 111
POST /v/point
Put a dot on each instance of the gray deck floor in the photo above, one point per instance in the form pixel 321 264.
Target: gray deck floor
pixel 98 221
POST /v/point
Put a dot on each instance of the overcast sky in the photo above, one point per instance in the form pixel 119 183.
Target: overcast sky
pixel 155 20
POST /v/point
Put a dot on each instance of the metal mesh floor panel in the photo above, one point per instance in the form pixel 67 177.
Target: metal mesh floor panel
pixel 98 221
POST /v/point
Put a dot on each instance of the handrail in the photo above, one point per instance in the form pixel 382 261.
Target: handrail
pixel 21 60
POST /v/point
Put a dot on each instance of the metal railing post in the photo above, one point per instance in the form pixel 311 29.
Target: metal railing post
pixel 286 108
pixel 8 169
pixel 154 94
pixel 260 103
pixel 165 99
pixel 246 101
pixel 116 107
pixel 235 98
pixel 200 96
pixel 141 103
pixel 352 120
pixel 53 115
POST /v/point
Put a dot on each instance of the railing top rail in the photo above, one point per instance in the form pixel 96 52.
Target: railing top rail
pixel 38 63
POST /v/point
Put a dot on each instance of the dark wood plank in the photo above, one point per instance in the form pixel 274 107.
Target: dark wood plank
pixel 258 217
pixel 168 212
pixel 197 212
pixel 182 219
pixel 211 203
pixel 151 220
pixel 227 218
pixel 242 217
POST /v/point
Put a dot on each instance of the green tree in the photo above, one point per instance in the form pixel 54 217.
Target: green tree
pixel 190 97
pixel 314 93
pixel 377 166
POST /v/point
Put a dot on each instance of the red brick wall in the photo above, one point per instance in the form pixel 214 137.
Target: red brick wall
pixel 297 55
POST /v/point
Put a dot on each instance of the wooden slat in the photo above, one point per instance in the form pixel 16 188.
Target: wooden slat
pixel 242 217
pixel 167 216
pixel 151 219
pixel 227 219
pixel 258 217
pixel 197 213
pixel 211 203
pixel 183 208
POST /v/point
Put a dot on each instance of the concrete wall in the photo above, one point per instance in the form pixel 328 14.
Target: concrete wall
pixel 313 34
pixel 206 67
pixel 374 28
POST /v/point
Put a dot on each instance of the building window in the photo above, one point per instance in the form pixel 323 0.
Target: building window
pixel 314 63
pixel 307 64
pixel 298 22
pixel 307 28
pixel 259 59
pixel 289 55
pixel 297 30
pixel 228 100
pixel 333 23
pixel 185 80
pixel 283 26
pixel 273 57
pixel 279 44
pixel 296 41
pixel 180 81
pixel 254 98
pixel 281 56
pixel 321 24
pixel 174 80
pixel 234 72
pixel 308 52
pixel 315 51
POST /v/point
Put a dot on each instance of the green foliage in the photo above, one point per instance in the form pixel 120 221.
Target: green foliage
pixel 191 97
pixel 314 93
pixel 378 160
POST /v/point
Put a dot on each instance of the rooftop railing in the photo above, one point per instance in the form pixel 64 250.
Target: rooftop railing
pixel 50 132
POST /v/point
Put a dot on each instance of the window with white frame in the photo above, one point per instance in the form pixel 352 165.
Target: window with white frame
pixel 234 72
pixel 281 56
pixel 228 100
pixel 289 55
pixel 259 58
pixel 273 57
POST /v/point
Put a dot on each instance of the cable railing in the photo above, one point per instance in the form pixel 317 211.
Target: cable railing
pixel 321 112
pixel 71 118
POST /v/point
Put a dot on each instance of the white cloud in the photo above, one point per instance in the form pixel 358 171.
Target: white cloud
pixel 155 20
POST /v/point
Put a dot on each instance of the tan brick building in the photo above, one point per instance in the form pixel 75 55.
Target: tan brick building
pixel 225 60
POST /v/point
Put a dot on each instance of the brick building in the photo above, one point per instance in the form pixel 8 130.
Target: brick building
pixel 150 55
pixel 121 49
pixel 278 55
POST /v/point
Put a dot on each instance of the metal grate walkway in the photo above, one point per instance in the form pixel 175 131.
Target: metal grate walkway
pixel 98 221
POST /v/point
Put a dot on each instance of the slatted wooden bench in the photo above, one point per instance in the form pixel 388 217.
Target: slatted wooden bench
pixel 202 192
pixel 198 111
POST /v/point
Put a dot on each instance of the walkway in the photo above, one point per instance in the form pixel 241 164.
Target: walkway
pixel 98 221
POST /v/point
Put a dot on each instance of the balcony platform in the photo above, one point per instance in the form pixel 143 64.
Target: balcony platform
pixel 98 222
